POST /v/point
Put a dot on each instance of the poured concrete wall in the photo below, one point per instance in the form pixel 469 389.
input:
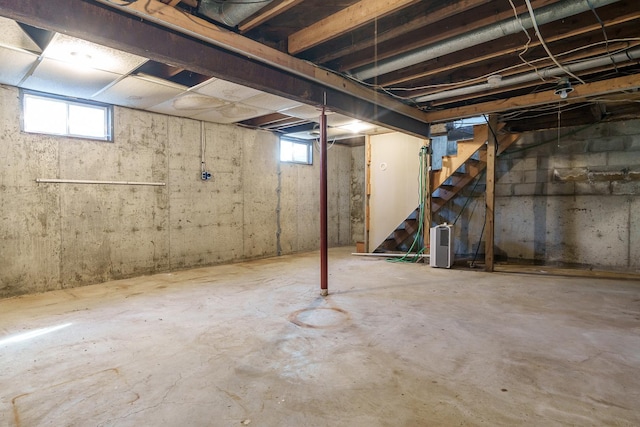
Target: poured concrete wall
pixel 357 193
pixel 300 196
pixel 63 235
pixel 573 200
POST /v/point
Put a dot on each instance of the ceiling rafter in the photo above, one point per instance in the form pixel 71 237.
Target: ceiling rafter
pixel 346 20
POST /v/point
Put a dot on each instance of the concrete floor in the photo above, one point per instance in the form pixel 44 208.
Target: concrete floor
pixel 393 345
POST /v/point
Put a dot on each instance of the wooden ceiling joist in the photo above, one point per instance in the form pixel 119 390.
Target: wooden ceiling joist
pixel 579 94
pixel 267 14
pixel 432 35
pixel 346 20
pixel 415 24
pixel 448 66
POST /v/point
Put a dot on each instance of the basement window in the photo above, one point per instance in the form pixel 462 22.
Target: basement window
pixel 58 115
pixel 294 151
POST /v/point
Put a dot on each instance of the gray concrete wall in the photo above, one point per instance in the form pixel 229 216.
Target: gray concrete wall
pixel 300 196
pixel 358 170
pixel 575 200
pixel 56 236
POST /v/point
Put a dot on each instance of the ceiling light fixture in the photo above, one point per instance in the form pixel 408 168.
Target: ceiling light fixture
pixel 356 127
pixel 563 88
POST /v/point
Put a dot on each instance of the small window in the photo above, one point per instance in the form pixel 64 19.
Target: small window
pixel 296 151
pixel 56 115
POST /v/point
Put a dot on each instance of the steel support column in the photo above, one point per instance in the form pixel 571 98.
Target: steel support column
pixel 324 242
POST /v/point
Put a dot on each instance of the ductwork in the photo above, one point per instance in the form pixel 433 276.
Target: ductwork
pixel 230 13
pixel 504 28
pixel 631 55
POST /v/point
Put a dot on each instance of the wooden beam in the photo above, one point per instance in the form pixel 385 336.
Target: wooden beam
pixel 427 214
pixel 344 21
pixel 490 195
pixel 422 21
pixel 580 92
pixel 267 14
pixel 367 197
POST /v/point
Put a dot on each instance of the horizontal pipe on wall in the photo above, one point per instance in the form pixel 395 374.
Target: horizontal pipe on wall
pixel 87 181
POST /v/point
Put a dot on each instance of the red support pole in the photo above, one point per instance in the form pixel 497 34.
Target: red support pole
pixel 324 244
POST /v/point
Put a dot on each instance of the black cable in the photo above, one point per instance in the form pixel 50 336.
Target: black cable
pixel 470 196
pixel 479 241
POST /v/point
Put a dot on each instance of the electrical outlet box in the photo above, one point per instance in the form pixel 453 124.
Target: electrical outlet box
pixel 206 176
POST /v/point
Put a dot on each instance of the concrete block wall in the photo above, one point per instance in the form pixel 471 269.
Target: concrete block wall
pixel 571 200
pixel 56 236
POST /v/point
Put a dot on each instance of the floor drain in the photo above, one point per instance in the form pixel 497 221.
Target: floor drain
pixel 319 317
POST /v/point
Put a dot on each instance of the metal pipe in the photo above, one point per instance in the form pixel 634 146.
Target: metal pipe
pixel 230 13
pixel 324 243
pixel 544 15
pixel 631 55
pixel 87 181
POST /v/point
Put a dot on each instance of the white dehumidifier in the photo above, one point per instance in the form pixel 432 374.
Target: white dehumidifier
pixel 441 241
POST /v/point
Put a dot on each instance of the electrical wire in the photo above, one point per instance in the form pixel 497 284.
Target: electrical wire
pixel 513 67
pixel 478 179
pixel 544 44
pixel 604 32
pixel 526 46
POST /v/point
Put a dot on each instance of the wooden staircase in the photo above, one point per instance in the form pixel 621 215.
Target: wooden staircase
pixel 457 172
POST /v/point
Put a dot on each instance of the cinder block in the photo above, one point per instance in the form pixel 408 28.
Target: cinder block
pixel 614 143
pixel 530 163
pixel 593 188
pixel 625 188
pixel 634 145
pixel 596 159
pixel 504 165
pixel 561 161
pixel 511 177
pixel 570 146
pixel 569 161
pixel 540 175
pixel 624 159
pixel 560 188
pixel 530 189
pixel 503 190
